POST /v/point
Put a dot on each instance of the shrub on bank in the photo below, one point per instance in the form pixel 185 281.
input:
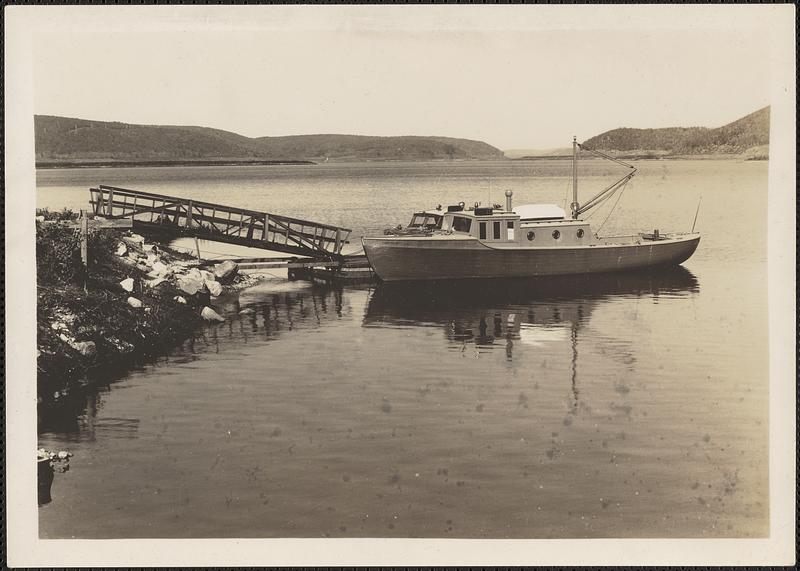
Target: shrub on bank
pixel 84 320
pixel 58 255
pixel 57 215
pixel 58 249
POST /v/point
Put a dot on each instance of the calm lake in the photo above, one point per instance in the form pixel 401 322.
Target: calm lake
pixel 616 406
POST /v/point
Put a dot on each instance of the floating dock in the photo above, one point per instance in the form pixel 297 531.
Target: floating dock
pixel 349 268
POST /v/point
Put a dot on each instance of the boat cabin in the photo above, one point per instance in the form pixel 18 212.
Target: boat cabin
pixel 538 225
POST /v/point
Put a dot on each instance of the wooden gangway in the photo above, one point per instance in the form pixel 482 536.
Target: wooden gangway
pixel 186 217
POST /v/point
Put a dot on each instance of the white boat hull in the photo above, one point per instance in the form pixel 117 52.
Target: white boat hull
pixel 410 259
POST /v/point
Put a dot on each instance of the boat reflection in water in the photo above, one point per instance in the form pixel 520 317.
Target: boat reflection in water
pixel 489 314
pixel 533 301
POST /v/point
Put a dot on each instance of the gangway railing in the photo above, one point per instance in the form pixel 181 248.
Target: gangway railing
pixel 218 222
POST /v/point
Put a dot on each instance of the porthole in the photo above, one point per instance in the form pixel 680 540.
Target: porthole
pixel 531 235
pixel 556 234
pixel 580 233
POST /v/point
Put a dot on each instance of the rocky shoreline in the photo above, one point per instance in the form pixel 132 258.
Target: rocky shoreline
pixel 136 301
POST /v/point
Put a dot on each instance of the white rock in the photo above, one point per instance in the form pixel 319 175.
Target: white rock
pixel 195 274
pixel 136 238
pixel 214 288
pixel 179 299
pixel 122 249
pixel 133 302
pixel 85 348
pixel 147 247
pixel 127 284
pixel 189 285
pixel 161 268
pixel 156 282
pixel 151 259
pixel 208 276
pixel 210 315
pixel 226 271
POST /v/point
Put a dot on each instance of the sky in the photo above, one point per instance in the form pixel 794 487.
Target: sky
pixel 515 82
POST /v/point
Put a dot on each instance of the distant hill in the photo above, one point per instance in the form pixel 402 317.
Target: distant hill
pixel 63 139
pixel 538 153
pixel 748 135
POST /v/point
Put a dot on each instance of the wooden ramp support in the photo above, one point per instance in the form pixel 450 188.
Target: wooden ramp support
pixel 229 224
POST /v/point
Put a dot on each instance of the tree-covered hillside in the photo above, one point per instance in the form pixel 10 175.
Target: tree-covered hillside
pixel 77 140
pixel 734 138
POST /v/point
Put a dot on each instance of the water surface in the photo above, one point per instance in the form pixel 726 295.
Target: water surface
pixel 614 406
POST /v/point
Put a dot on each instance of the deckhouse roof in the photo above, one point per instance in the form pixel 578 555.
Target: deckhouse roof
pixel 540 212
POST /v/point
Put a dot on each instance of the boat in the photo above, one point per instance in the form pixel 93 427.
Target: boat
pixel 422 222
pixel 529 240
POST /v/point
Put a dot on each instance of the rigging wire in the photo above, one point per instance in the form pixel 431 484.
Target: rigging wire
pixel 619 196
pixel 609 157
pixel 566 193
pixel 602 200
pixel 605 195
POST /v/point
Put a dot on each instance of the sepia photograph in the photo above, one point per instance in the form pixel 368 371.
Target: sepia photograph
pixel 398 284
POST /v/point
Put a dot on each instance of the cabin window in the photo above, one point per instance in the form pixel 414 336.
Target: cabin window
pixel 433 222
pixel 556 234
pixel 426 221
pixel 531 235
pixel 482 230
pixel 510 230
pixel 580 233
pixel 461 224
pixel 496 230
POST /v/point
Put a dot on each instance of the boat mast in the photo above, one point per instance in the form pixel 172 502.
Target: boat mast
pixel 574 205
